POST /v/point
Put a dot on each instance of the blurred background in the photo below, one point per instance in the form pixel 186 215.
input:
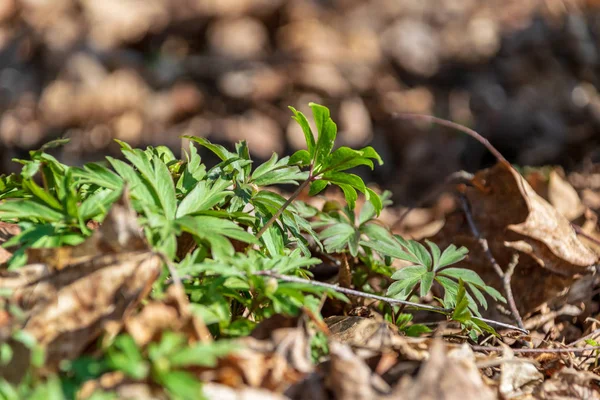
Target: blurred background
pixel 523 73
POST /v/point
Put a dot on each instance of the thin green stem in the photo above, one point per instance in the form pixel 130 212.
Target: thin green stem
pixel 284 206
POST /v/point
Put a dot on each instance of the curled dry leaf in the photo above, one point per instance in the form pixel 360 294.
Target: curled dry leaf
pixel 122 387
pixel 569 383
pixel 450 375
pixel 350 378
pixel 71 295
pixel 513 218
pixel 274 359
pixel 517 376
pixel 373 334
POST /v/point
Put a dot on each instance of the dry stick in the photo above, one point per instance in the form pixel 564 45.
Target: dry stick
pixel 536 351
pixel 459 127
pixel 388 300
pixel 504 276
pixel 593 335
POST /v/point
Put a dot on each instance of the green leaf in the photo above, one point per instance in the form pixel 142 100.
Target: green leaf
pixel 466 275
pixel 336 237
pixel 461 310
pixel 349 179
pixel 165 189
pixel 350 195
pixel 182 385
pixel 327 132
pixel 345 158
pixel 139 189
pixel 375 200
pixel 41 194
pixel 215 231
pixel 391 249
pixel 317 187
pixel 202 197
pixel 401 289
pixel 217 149
pixel 308 135
pixel 410 272
pixel 426 282
pixel 98 175
pixel 301 158
pixel 275 172
pixel 27 210
pixel 452 255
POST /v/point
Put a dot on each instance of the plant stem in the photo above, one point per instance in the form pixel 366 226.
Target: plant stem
pixel 284 206
pixel 389 300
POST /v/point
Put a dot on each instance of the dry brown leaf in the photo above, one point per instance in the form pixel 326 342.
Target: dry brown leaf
pixel 373 334
pixel 450 375
pixel 564 197
pixel 69 301
pixel 517 376
pixel 513 218
pixel 214 391
pixel 279 358
pixel 124 388
pixel 350 378
pixel 569 383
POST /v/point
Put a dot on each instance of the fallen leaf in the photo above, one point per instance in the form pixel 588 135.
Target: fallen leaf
pixel 513 218
pixel 450 375
pixel 68 302
pixel 569 383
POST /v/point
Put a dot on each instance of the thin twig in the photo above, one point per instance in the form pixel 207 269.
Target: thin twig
pixel 506 277
pixel 506 281
pixel 353 292
pixel 459 127
pixel 536 351
pixel 388 300
pixel 593 335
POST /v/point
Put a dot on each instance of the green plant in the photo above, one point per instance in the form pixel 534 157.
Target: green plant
pixel 243 232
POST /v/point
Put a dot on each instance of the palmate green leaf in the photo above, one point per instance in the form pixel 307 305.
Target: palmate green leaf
pixel 391 249
pixel 308 135
pixel 401 289
pixel 410 272
pixel 182 385
pixel 203 197
pixel 139 188
pixel 417 250
pixel 467 275
pixel 99 175
pixel 215 231
pixel 451 255
pixel 275 172
pixel 337 237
